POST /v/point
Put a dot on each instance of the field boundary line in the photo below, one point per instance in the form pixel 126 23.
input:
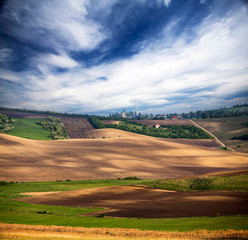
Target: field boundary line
pixel 216 139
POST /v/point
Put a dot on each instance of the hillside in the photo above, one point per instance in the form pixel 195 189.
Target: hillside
pixel 227 128
pixel 110 158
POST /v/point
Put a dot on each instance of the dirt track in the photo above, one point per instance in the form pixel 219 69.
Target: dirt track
pixel 128 201
pixel 144 157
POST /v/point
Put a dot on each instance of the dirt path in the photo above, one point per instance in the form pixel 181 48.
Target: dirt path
pixel 140 202
pixel 217 140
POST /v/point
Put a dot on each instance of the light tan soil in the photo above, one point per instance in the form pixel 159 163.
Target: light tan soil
pixel 110 122
pixel 111 158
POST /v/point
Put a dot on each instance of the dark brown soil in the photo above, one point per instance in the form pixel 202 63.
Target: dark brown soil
pixel 141 202
pixel 23 114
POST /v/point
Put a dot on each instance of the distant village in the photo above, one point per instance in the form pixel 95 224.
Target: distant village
pixel 139 115
pixel 235 111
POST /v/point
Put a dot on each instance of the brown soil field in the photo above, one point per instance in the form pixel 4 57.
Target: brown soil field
pixel 195 142
pixel 141 202
pixel 21 231
pixel 165 122
pixel 109 158
pixel 23 114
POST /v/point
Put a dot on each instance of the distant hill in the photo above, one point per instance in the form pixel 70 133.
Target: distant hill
pixel 34 113
pixel 235 111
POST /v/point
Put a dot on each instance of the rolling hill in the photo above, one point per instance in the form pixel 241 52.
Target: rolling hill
pixel 109 158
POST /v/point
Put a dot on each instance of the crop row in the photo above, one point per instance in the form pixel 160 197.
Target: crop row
pixel 77 127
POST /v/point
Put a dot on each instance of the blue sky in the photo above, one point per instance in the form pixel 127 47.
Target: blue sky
pixel 101 56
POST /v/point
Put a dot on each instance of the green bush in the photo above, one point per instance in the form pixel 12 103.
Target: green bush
pixel 5 123
pixel 55 126
pixel 131 178
pixel 4 183
pixel 200 184
pixel 224 148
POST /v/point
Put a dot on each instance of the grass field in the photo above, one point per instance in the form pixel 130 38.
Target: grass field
pixel 25 213
pixel 226 128
pixel 27 128
pixel 234 183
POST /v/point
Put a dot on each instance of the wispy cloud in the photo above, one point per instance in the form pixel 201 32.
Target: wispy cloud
pixel 56 24
pixel 167 2
pixel 10 76
pixel 6 55
pixel 62 61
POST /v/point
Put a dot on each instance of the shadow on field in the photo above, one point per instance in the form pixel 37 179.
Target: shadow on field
pixel 142 202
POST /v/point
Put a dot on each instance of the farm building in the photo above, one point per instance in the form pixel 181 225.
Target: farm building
pixel 157 125
pixel 174 118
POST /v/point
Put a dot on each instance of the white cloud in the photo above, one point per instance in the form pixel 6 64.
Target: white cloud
pixel 62 61
pixel 9 75
pixel 59 24
pixel 167 2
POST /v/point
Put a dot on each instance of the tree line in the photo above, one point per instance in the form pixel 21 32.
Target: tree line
pixel 166 131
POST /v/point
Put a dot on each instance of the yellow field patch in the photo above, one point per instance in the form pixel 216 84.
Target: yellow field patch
pixel 23 232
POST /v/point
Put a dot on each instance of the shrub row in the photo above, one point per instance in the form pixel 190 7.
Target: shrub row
pixel 55 126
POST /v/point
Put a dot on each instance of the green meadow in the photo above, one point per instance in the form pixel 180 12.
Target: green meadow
pixel 12 211
pixel 27 128
pixel 231 183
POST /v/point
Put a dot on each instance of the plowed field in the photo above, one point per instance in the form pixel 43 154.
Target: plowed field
pixel 77 127
pixel 23 114
pixel 128 201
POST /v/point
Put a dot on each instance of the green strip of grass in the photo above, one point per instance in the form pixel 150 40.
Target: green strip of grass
pixel 26 213
pixel 11 190
pixel 236 183
pixel 27 128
